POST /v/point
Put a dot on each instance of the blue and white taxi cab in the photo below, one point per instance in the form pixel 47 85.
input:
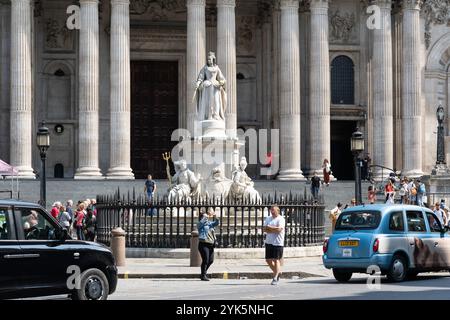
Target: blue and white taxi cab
pixel 398 240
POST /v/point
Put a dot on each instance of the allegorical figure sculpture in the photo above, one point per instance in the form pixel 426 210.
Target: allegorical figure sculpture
pixel 210 92
pixel 220 185
pixel 242 186
pixel 185 185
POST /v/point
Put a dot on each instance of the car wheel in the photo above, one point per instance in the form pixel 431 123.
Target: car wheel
pixel 93 286
pixel 398 270
pixel 342 276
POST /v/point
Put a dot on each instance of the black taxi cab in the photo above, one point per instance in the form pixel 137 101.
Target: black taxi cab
pixel 39 258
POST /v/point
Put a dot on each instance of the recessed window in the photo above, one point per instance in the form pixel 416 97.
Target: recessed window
pixel 59 73
pixel 342 81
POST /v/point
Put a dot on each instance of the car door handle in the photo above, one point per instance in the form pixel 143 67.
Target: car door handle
pixel 35 255
pixel 412 244
pixel 13 256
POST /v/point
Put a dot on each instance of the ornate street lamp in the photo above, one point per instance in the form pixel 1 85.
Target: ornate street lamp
pixel 43 143
pixel 440 114
pixel 357 147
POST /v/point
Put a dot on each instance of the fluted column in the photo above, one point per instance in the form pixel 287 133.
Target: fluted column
pixel 290 168
pixel 383 143
pixel 88 123
pixel 120 91
pixel 411 90
pixel 319 86
pixel 21 88
pixel 226 57
pixel 196 53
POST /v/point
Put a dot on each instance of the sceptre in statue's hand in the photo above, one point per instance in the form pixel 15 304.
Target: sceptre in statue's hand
pixel 166 156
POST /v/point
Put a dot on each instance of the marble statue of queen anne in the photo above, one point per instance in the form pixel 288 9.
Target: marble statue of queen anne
pixel 210 92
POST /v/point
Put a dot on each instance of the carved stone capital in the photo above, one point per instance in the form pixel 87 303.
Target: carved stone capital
pixel 319 4
pixel 383 4
pixel 412 4
pixel 226 3
pixel 195 3
pixel 120 2
pixel 289 4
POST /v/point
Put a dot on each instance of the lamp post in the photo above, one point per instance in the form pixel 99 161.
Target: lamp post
pixel 43 143
pixel 440 115
pixel 357 146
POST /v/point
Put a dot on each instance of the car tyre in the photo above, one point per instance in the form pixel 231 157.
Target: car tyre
pixel 398 269
pixel 342 276
pixel 93 286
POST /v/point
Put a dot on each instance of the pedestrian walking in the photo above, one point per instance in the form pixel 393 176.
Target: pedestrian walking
pixel 150 188
pixel 90 225
pixel 371 195
pixel 207 241
pixel 94 207
pixel 412 192
pixel 79 218
pixel 334 215
pixel 421 193
pixel 440 213
pixel 315 185
pixel 326 168
pixel 55 209
pixel 389 192
pixel 403 191
pixel 274 228
pixel 64 218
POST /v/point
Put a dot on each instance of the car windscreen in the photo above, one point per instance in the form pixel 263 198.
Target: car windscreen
pixel 364 219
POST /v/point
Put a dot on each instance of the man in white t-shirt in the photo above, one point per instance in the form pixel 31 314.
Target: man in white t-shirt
pixel 274 228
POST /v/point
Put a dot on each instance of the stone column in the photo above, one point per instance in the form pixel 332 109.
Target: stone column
pixel 290 168
pixel 88 124
pixel 319 86
pixel 120 91
pixel 411 90
pixel 21 89
pixel 383 150
pixel 196 53
pixel 226 57
pixel 5 62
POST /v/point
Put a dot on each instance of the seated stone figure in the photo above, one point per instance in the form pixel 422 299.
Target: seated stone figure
pixel 242 187
pixel 185 185
pixel 219 185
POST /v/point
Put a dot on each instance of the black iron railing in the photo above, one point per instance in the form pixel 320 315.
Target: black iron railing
pixel 169 225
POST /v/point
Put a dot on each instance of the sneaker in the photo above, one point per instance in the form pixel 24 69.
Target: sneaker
pixel 274 282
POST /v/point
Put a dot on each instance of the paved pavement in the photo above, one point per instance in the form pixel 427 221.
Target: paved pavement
pixel 221 268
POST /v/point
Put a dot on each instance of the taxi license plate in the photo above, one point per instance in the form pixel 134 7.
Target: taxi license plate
pixel 349 243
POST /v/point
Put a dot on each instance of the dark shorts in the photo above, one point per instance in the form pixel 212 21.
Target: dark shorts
pixel 274 252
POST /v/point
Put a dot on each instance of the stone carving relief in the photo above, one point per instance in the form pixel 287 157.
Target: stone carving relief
pixel 157 10
pixel 245 35
pixel 435 12
pixel 342 26
pixel 57 35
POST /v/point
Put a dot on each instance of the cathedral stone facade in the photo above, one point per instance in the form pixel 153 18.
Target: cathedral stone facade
pixel 114 78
